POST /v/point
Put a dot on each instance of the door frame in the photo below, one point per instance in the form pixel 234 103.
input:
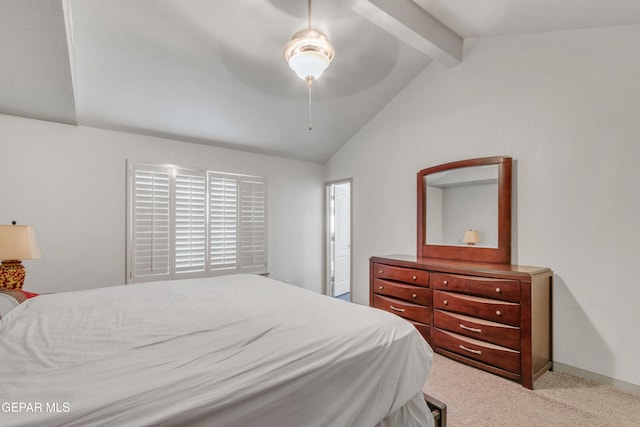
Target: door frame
pixel 327 279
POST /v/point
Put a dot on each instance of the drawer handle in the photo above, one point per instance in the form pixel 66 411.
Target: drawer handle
pixel 466 328
pixel 380 272
pixel 470 350
pixel 415 277
pixel 498 290
pixel 498 313
pixel 414 296
pixel 381 287
pixel 400 310
pixel 444 282
pixel 445 302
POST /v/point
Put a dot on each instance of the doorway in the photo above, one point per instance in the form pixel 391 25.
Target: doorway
pixel 339 239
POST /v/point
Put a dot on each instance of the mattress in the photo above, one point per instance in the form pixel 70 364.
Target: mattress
pixel 241 350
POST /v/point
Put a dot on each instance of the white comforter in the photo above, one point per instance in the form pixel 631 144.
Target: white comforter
pixel 230 351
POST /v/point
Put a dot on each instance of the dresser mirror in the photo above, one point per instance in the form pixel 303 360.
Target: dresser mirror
pixel 464 210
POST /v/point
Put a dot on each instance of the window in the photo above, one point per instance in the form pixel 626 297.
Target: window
pixel 191 223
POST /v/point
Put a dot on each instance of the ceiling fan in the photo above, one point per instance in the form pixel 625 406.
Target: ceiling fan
pixel 309 53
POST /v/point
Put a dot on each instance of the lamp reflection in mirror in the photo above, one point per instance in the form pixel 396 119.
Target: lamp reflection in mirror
pixel 471 237
pixel 17 242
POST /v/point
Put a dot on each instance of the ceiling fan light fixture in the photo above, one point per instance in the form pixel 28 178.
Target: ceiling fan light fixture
pixel 309 53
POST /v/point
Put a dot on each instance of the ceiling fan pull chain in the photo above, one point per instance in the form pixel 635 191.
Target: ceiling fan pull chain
pixel 310 84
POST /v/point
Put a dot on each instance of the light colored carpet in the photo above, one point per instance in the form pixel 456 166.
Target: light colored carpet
pixel 477 398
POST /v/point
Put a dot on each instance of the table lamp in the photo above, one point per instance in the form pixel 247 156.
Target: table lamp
pixel 471 237
pixel 17 242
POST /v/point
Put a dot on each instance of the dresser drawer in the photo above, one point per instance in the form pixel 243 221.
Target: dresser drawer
pixel 410 311
pixel 500 357
pixel 484 330
pixel 484 308
pixel 401 274
pixel 411 293
pixel 507 290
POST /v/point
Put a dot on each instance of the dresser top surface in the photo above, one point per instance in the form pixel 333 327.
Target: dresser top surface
pixel 449 265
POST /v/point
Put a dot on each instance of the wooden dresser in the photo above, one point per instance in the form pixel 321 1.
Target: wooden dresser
pixel 495 317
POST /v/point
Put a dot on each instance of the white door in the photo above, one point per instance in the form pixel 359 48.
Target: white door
pixel 342 239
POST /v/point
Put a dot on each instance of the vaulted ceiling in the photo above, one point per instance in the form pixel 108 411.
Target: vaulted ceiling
pixel 212 71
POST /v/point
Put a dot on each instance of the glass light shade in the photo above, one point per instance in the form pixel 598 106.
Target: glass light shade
pixel 18 242
pixel 309 53
pixel 309 64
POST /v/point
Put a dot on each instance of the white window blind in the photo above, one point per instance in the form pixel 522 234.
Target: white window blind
pixel 223 221
pixel 149 230
pixel 189 223
pixel 252 223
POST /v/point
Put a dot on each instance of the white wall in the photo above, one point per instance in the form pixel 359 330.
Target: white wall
pixel 566 107
pixel 69 183
pixel 470 207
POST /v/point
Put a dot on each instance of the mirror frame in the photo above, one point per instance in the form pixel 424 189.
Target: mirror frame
pixel 499 255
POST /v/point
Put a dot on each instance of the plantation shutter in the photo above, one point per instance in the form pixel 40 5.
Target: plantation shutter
pixel 251 215
pixel 149 222
pixel 223 223
pixel 190 222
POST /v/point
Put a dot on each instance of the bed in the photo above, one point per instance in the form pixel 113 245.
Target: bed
pixel 240 350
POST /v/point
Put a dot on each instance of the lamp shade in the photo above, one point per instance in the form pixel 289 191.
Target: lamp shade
pixel 309 64
pixel 18 242
pixel 471 237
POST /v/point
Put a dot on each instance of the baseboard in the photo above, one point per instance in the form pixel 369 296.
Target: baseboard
pixel 593 376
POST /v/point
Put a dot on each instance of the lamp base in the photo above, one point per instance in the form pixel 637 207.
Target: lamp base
pixel 12 274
